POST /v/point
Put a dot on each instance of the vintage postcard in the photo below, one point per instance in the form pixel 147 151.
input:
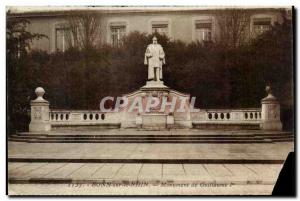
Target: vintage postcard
pixel 150 101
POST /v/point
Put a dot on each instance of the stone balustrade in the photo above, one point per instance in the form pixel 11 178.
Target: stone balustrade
pixel 265 118
pixel 233 115
pixel 249 117
pixel 83 118
pixel 95 117
pixel 227 115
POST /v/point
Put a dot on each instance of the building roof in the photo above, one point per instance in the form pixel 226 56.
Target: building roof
pixel 51 11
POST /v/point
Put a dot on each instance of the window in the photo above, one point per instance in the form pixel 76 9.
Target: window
pixel 261 25
pixel 160 28
pixel 62 36
pixel 118 31
pixel 203 30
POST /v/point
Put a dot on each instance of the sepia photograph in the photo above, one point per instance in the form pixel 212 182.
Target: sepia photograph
pixel 150 100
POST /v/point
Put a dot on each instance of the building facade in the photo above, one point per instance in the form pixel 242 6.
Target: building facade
pixel 185 24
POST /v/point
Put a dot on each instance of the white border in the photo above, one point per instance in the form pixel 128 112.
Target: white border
pixel 4 3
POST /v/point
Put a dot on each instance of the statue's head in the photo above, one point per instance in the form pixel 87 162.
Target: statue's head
pixel 154 40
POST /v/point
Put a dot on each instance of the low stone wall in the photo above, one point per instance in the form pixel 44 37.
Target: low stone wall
pixel 84 118
pixel 205 119
pixel 248 118
pixel 44 119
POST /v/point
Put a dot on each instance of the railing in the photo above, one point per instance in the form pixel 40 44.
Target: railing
pixel 267 117
pixel 95 117
pixel 252 115
pixel 83 117
pixel 234 115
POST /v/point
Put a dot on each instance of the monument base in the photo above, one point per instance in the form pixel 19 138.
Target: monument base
pixel 152 85
pixel 154 121
pixel 39 126
pixel 271 125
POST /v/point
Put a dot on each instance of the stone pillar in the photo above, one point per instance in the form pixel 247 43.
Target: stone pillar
pixel 139 121
pixel 170 121
pixel 40 115
pixel 270 112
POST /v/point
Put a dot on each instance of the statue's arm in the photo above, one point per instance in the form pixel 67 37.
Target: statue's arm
pixel 161 53
pixel 148 53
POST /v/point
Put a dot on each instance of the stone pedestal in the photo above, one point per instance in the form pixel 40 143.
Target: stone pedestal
pixel 139 121
pixel 153 85
pixel 170 121
pixel 270 112
pixel 40 121
pixel 154 121
pixel 160 116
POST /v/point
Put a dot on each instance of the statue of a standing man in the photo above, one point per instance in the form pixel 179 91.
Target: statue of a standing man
pixel 154 58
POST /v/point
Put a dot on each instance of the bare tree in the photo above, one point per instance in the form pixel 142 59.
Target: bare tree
pixel 234 25
pixel 84 33
pixel 85 29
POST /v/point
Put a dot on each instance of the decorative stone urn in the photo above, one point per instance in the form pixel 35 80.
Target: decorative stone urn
pixel 39 113
pixel 270 112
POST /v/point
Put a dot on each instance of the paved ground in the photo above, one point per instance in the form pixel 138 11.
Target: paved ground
pixel 120 178
pixel 102 178
pixel 150 151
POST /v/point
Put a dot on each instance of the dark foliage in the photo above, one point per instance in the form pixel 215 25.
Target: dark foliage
pixel 19 72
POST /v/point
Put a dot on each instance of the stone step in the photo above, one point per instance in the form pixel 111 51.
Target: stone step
pixel 145 160
pixel 152 138
pixel 165 138
pixel 79 133
pixel 152 141
pixel 160 136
